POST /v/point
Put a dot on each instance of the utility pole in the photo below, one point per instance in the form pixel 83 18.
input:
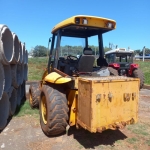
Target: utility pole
pixel 143 53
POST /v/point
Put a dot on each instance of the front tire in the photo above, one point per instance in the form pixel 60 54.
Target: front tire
pixel 53 111
pixel 137 73
pixel 34 95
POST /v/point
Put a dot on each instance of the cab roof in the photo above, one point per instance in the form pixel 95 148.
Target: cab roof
pixel 120 51
pixel 84 26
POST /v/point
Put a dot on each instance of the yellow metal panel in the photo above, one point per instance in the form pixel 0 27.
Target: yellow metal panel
pixel 45 73
pixel 72 102
pixel 93 21
pixel 56 78
pixel 107 102
pixel 75 79
pixel 84 104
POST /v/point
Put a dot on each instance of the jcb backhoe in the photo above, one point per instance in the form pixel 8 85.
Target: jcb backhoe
pixel 83 91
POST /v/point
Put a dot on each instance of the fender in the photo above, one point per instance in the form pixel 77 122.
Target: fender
pixel 132 67
pixel 56 78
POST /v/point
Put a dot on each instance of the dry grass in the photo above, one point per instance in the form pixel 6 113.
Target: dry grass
pixel 145 67
pixel 36 67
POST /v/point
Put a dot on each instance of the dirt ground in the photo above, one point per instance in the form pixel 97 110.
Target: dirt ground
pixel 24 133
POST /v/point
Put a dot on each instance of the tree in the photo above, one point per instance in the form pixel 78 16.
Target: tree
pixel 106 49
pixel 137 51
pixel 39 51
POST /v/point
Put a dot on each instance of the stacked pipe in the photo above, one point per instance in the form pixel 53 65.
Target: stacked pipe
pixel 13 73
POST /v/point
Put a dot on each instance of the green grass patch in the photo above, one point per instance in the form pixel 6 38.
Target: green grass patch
pixel 118 142
pixel 36 67
pixel 132 140
pixel 145 67
pixel 148 142
pixel 139 129
pixel 25 109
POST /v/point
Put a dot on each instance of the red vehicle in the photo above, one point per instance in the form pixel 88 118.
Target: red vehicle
pixel 122 60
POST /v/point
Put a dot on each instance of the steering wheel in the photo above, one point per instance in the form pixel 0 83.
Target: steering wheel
pixel 70 58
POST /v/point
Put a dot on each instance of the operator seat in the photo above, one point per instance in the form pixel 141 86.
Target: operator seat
pixel 86 61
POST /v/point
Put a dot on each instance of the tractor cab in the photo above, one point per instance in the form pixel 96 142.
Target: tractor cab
pixel 72 38
pixel 121 60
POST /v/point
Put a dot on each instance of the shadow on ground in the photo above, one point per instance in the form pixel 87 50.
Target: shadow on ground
pixel 16 112
pixel 90 140
pixel 18 108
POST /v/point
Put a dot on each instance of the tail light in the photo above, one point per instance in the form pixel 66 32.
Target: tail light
pixel 134 66
pixel 115 65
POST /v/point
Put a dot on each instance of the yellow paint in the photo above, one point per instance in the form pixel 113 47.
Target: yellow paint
pixel 72 103
pixel 44 109
pixel 45 74
pixel 107 105
pixel 56 78
pixel 93 21
pixel 30 97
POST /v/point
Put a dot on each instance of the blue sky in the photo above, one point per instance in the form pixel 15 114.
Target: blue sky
pixel 32 20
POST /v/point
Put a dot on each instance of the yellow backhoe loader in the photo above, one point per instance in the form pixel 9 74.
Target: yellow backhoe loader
pixel 83 91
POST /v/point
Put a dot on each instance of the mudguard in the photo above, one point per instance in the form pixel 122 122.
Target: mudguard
pixel 56 78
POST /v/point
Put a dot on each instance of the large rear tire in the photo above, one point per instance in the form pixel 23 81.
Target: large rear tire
pixel 137 73
pixel 34 95
pixel 53 111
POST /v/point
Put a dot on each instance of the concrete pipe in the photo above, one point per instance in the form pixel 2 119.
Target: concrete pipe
pixel 26 57
pixel 13 101
pixel 16 49
pixel 4 110
pixel 19 74
pixel 8 78
pixel 25 72
pixel 22 73
pixel 15 76
pixel 20 56
pixel 23 52
pixel 6 45
pixel 23 89
pixel 19 95
pixel 2 80
pixel 10 91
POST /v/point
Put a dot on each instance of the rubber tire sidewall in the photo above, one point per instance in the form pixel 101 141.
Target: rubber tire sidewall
pixel 35 100
pixel 45 127
pixel 139 75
